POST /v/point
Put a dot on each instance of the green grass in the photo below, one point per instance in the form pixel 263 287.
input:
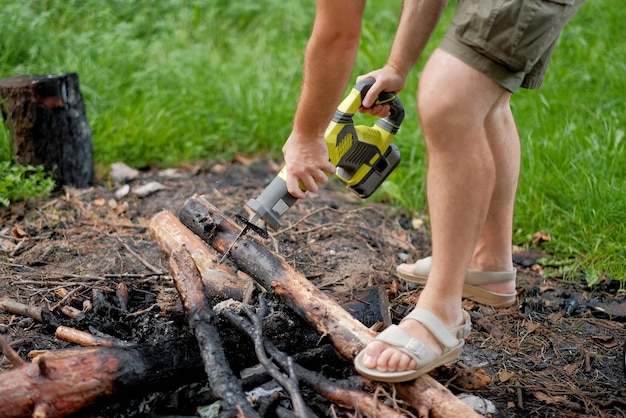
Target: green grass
pixel 573 173
pixel 173 81
pixel 166 82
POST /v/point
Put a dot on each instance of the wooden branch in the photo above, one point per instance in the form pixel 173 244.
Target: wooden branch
pixel 61 383
pixel 287 380
pixel 10 353
pixel 171 236
pixel 86 339
pixel 187 251
pixel 369 306
pixel 203 323
pixel 347 334
pixel 18 308
pixel 318 309
pixel 37 313
pixel 334 392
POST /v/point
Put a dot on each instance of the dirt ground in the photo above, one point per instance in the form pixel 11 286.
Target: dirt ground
pixel 558 353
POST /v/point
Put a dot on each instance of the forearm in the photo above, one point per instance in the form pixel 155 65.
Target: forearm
pixel 326 74
pixel 417 23
pixel 329 61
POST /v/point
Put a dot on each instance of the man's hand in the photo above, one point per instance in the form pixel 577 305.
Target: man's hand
pixel 307 163
pixel 387 79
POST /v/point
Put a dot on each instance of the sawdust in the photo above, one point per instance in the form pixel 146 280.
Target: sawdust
pixel 558 353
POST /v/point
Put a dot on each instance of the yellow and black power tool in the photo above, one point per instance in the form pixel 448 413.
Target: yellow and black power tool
pixel 364 157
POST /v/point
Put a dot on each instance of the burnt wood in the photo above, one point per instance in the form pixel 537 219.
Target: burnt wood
pixel 60 383
pixel 288 331
pixel 202 320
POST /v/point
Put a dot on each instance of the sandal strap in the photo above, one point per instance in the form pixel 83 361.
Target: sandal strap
pixel 400 340
pixel 449 337
pixel 476 277
pixel 473 277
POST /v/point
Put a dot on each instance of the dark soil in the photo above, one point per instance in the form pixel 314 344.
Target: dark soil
pixel 558 353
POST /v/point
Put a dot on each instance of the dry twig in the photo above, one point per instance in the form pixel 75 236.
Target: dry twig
pixel 18 308
pixel 10 353
pixel 348 398
pixel 254 329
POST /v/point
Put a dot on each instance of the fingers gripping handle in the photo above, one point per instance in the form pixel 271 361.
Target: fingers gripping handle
pixel 392 122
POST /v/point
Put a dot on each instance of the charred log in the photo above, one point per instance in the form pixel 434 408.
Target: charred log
pixel 60 383
pixel 202 321
pixel 317 308
pixel 285 328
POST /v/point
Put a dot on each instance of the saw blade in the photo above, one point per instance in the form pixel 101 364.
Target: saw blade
pixel 254 223
pixel 243 231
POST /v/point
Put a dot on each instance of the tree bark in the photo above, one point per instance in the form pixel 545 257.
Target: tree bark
pixel 348 335
pixel 47 120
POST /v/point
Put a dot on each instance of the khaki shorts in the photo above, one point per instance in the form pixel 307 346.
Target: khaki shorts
pixel 509 40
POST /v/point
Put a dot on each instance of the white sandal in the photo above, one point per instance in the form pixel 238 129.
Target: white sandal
pixel 418 273
pixel 451 339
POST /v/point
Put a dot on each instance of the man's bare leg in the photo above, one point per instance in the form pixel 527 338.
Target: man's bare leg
pixel 455 104
pixel 493 250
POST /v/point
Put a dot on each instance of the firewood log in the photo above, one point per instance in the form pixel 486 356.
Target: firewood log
pixel 171 236
pixel 202 320
pixel 274 274
pixel 347 334
pixel 284 327
pixel 61 383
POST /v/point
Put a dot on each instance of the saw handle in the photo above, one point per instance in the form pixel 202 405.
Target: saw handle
pixel 392 122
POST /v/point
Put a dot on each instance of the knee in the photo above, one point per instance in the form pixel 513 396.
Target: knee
pixel 443 115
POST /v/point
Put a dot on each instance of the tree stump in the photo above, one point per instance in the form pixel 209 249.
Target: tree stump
pixel 47 120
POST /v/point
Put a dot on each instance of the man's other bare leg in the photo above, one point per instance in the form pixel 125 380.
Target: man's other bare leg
pixel 493 250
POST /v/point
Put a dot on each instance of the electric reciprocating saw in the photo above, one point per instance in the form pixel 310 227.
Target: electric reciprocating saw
pixel 364 157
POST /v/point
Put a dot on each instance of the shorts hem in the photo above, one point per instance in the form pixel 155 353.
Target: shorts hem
pixel 509 80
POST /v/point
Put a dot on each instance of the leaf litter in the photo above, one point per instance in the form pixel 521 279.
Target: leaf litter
pixel 558 352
